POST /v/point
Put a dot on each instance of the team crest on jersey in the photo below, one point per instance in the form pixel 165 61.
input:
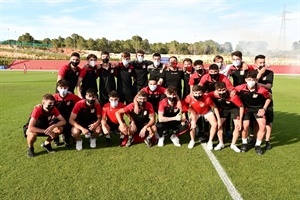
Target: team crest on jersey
pixel 129 70
pixel 93 110
pixel 144 66
pixel 112 71
pixel 68 103
pixel 77 73
pixel 145 112
pixel 242 72
pixel 201 104
pixel 254 95
pixel 264 78
pixel 156 96
pixel 161 71
pixel 228 102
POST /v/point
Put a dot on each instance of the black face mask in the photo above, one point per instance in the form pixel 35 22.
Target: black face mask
pixel 141 103
pixel 75 63
pixel 50 107
pixel 105 60
pixel 199 71
pixel 223 95
pixel 260 67
pixel 198 97
pixel 91 101
pixel 214 76
pixel 172 99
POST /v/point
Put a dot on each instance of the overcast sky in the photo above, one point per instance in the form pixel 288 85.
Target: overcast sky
pixel 157 20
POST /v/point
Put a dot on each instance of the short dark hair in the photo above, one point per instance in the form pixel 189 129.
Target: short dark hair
pixel 213 67
pixel 125 54
pixel 220 85
pixel 75 54
pixel 156 55
pixel 91 91
pixel 114 93
pixel 173 57
pixel 104 53
pixel 198 62
pixel 140 51
pixel 188 60
pixel 48 97
pixel 260 57
pixel 63 83
pixel 237 53
pixel 171 90
pixel 91 56
pixel 217 57
pixel 251 74
pixel 142 93
pixel 152 79
pixel 197 88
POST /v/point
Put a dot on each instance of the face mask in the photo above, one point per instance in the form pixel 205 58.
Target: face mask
pixel 92 63
pixel 219 64
pixel 140 59
pixel 141 103
pixel 236 63
pixel 156 63
pixel 172 99
pixel 63 92
pixel 152 87
pixel 174 64
pixel 223 95
pixel 260 67
pixel 91 101
pixel 199 71
pixel 114 104
pixel 214 76
pixel 198 97
pixel 75 63
pixel 105 60
pixel 50 107
pixel 251 84
pixel 125 62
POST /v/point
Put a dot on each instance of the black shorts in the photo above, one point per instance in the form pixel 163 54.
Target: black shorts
pixel 163 128
pixel 269 115
pixel 234 113
pixel 113 127
pixel 251 113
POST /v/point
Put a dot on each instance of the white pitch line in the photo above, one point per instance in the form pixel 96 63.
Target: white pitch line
pixel 226 180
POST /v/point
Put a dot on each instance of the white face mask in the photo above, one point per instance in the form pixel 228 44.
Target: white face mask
pixel 156 63
pixel 250 84
pixel 92 63
pixel 236 63
pixel 63 92
pixel 152 87
pixel 219 64
pixel 140 59
pixel 125 62
pixel 114 104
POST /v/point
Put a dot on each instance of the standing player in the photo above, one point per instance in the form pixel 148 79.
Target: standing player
pixel 256 100
pixel 140 69
pixel 172 76
pixel 201 105
pixel 265 79
pixel 86 118
pixel 223 69
pixel 142 120
pixel 71 71
pixel 155 70
pixel 170 118
pixel 42 123
pixel 109 121
pixel 125 78
pixel 107 75
pixel 64 102
pixel 228 106
pixel 188 71
pixel 155 93
pixel 88 76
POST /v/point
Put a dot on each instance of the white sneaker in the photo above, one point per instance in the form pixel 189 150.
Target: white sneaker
pixel 93 142
pixel 175 140
pixel 191 144
pixel 88 135
pixel 161 141
pixel 235 148
pixel 79 145
pixel 209 145
pixel 219 147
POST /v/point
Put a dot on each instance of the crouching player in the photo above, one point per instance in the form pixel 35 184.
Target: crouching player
pixel 170 118
pixel 256 100
pixel 201 105
pixel 41 123
pixel 142 120
pixel 109 121
pixel 86 118
pixel 229 107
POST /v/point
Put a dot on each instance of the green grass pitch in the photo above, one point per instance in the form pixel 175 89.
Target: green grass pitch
pixel 139 172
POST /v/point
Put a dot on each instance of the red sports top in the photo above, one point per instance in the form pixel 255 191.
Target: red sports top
pixel 110 113
pixel 202 106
